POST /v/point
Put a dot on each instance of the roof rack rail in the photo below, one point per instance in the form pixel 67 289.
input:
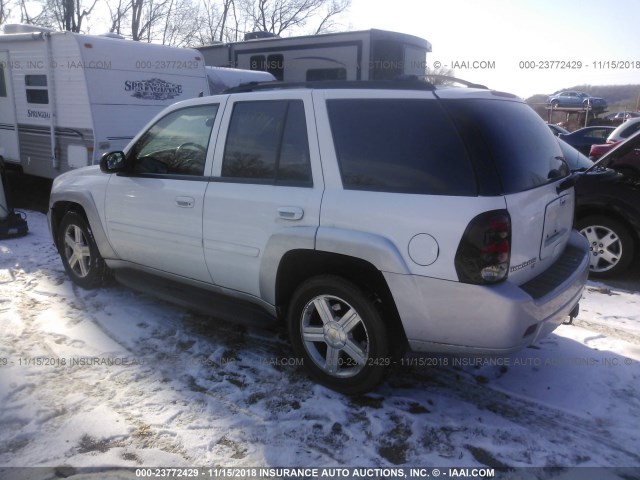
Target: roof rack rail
pixel 400 84
pixel 449 78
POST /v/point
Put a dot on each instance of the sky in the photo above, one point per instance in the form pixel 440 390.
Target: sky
pixel 495 36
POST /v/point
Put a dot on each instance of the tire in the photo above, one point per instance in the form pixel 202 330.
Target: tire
pixel 554 103
pixel 360 347
pixel 611 244
pixel 79 252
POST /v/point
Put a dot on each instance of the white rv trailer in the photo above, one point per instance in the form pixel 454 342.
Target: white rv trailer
pixel 362 55
pixel 66 98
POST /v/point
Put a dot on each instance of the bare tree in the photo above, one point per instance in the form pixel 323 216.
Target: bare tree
pixel 334 9
pixel 279 16
pixel 30 18
pixel 118 15
pixel 180 25
pixel 4 11
pixel 69 14
pixel 145 16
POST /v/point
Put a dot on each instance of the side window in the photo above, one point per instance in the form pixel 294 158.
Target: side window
pixel 257 62
pixel 275 66
pixel 3 83
pixel 319 74
pixel 403 146
pixel 37 89
pixel 267 143
pixel 177 144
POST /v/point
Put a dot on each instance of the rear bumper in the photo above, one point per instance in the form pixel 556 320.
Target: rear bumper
pixel 457 318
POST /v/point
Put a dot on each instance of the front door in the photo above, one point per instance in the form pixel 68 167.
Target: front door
pixel 154 211
pixel 8 130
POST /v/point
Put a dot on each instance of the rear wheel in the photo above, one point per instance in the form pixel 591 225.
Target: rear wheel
pixel 79 252
pixel 611 245
pixel 339 333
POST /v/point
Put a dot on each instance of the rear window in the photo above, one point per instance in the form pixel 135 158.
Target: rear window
pixel 399 145
pixel 510 139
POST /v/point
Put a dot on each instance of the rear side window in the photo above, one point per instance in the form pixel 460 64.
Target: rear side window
pixel 510 139
pixel 399 145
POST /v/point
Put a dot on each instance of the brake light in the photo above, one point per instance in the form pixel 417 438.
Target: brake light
pixel 484 252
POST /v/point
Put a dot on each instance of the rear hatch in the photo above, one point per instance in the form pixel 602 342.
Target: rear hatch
pixel 516 155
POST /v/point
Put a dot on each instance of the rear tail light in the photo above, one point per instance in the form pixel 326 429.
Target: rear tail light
pixel 484 252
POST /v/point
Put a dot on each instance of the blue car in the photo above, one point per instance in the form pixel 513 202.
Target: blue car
pixel 575 99
pixel 582 139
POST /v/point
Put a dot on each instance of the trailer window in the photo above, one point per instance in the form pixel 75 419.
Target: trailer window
pixel 320 74
pixel 275 66
pixel 3 83
pixel 37 89
pixel 257 62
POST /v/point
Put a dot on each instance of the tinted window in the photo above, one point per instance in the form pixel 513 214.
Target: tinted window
pixel 267 142
pixel 177 143
pixel 37 95
pixel 257 62
pixel 275 66
pixel 35 80
pixel 405 146
pixel 320 74
pixel 510 138
pixel 3 85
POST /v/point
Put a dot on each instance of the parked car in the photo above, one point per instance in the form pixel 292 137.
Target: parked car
pixel 608 208
pixel 372 218
pixel 575 99
pixel 622 132
pixel 557 129
pixel 617 118
pixel 583 138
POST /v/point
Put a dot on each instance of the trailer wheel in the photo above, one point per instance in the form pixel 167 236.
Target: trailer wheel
pixel 79 252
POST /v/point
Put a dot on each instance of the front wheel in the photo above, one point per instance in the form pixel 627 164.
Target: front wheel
pixel 610 243
pixel 79 252
pixel 339 333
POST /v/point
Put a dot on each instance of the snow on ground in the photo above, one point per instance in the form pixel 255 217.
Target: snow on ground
pixel 110 377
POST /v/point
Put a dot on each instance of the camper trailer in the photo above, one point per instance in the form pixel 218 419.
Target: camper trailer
pixel 362 55
pixel 67 98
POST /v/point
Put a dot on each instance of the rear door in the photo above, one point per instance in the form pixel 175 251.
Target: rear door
pixel 8 131
pixel 266 189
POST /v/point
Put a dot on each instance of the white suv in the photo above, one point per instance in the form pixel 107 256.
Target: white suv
pixel 374 218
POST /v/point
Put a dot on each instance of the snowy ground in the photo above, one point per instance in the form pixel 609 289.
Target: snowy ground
pixel 183 389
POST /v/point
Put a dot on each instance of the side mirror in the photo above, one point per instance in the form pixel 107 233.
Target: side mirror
pixel 113 162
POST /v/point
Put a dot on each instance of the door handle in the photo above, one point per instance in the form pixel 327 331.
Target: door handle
pixel 185 202
pixel 290 213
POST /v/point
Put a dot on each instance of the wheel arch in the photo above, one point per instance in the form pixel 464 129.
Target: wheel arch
pixel 85 206
pixel 297 266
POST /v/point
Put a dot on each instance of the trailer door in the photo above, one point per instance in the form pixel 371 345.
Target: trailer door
pixel 8 131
